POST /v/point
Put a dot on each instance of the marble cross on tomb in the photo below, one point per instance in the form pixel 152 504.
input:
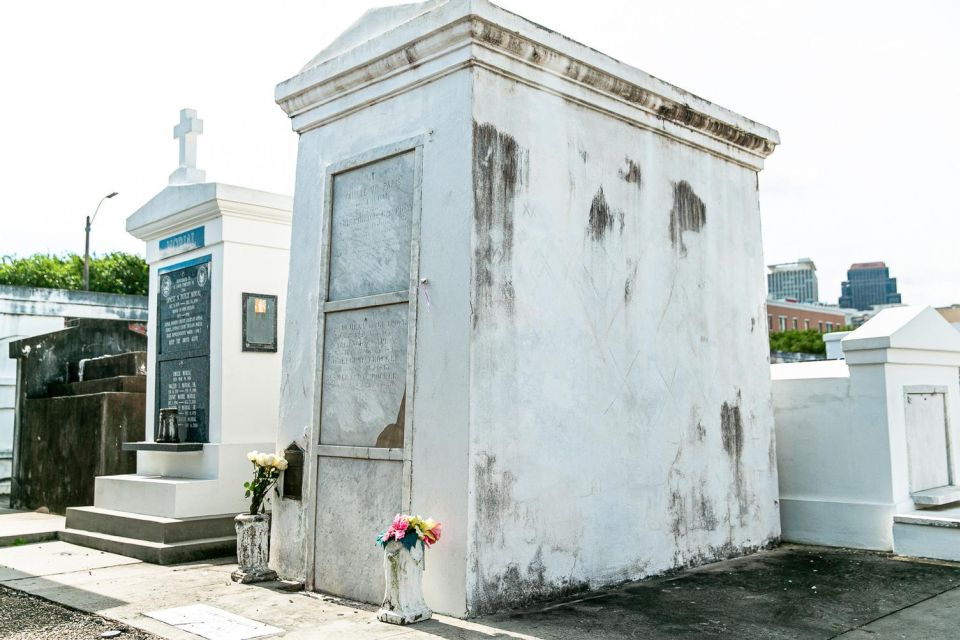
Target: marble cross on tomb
pixel 186 131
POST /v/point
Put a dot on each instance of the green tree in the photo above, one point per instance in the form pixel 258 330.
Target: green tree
pixel 798 341
pixel 110 273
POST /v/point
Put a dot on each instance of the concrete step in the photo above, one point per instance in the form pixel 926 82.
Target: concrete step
pixel 936 497
pixel 21 527
pixel 123 384
pixel 153 552
pixel 149 528
pixel 133 363
pixel 928 533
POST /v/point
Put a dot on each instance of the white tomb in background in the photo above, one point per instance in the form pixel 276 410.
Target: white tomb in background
pixel 866 447
pixel 218 257
pixel 526 299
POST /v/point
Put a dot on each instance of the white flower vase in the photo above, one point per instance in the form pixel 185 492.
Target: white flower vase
pixel 403 597
pixel 253 548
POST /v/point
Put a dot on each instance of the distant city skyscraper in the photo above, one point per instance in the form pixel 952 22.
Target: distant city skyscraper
pixel 868 284
pixel 794 281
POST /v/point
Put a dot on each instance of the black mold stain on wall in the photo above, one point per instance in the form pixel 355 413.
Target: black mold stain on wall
pixel 688 214
pixel 494 498
pixel 633 175
pixel 499 168
pixel 520 586
pixel 515 585
pixel 601 217
pixel 731 431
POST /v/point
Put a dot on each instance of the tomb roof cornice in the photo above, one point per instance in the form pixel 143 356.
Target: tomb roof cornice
pixel 180 207
pixel 370 64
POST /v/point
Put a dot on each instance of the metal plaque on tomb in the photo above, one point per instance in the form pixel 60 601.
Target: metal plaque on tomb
pixel 370 237
pixel 183 345
pixel 259 322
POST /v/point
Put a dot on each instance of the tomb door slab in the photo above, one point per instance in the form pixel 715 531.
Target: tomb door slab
pixel 927 441
pixel 362 443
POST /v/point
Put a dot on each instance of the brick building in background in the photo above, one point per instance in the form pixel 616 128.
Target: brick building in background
pixel 787 315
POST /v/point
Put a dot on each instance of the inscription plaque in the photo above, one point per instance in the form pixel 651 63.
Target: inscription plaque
pixel 370 238
pixel 364 373
pixel 183 345
pixel 184 309
pixel 259 322
pixel 185 384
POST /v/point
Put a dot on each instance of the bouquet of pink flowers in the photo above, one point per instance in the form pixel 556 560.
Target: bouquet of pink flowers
pixel 408 530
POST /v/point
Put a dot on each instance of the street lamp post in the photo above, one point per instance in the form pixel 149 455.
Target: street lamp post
pixel 86 248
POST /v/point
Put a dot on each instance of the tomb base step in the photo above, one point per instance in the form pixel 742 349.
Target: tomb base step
pixel 153 552
pixel 149 528
pixel 162 496
pixel 930 533
pixel 936 497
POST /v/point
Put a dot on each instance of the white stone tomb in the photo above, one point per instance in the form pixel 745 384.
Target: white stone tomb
pixel 218 255
pixel 527 300
pixel 866 447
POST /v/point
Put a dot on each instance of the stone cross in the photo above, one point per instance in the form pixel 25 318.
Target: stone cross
pixel 186 131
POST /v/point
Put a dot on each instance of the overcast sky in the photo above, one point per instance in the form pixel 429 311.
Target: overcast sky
pixel 864 93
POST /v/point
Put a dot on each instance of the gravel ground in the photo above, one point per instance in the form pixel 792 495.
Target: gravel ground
pixel 26 617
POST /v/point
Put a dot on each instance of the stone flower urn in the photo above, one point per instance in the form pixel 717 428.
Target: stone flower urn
pixel 403 598
pixel 253 548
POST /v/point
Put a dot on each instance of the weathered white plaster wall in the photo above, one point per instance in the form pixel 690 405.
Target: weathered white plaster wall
pixel 620 423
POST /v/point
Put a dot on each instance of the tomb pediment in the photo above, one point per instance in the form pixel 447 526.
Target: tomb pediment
pixel 392 50
pixel 920 328
pixel 373 23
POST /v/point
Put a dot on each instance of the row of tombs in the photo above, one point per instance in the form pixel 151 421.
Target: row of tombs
pixel 535 314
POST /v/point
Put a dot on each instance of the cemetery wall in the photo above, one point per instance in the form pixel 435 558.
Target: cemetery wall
pixel 613 433
pixel 822 414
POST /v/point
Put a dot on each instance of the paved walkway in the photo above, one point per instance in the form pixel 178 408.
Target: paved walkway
pixel 21 527
pixel 791 592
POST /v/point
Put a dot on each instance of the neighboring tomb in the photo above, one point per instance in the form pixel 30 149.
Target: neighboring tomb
pixel 80 395
pixel 866 447
pixel 218 273
pixel 526 299
pixel 25 312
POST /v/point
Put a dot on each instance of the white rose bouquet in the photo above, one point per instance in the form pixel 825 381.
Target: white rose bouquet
pixel 266 471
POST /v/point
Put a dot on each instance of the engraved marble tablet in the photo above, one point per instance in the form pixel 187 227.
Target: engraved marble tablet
pixel 370 239
pixel 364 373
pixel 184 309
pixel 183 345
pixel 185 384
